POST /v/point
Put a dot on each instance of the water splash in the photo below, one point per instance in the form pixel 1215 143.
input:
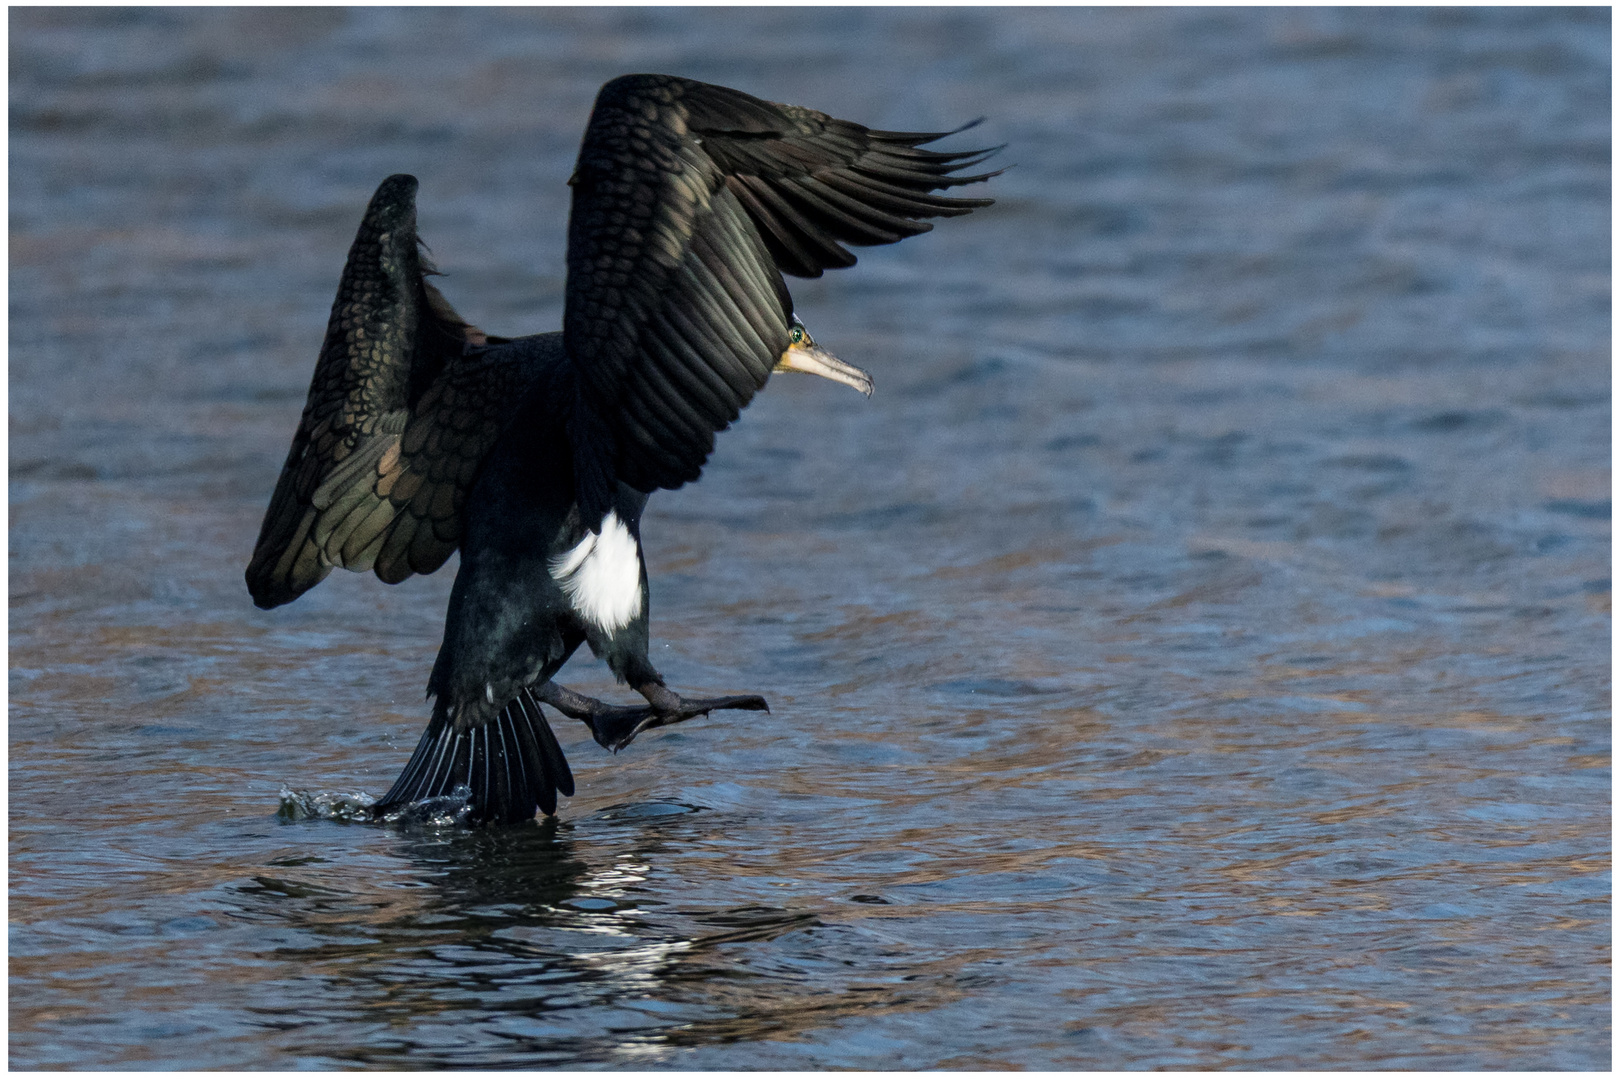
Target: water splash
pixel 440 811
pixel 327 805
pixel 437 812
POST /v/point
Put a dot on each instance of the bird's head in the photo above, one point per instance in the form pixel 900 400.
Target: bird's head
pixel 803 354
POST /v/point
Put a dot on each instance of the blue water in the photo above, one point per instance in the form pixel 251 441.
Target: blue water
pixel 1195 655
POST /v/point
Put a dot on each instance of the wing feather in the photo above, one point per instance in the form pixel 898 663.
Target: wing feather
pixel 810 238
pixel 871 224
pixel 698 396
pixel 660 404
pixel 751 302
pixel 405 403
pixel 720 311
pixel 703 382
pixel 791 255
pixel 699 340
pixel 690 201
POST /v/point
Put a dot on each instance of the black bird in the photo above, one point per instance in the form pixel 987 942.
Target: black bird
pixel 536 455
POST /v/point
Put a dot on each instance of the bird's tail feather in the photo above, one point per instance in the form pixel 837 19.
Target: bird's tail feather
pixel 511 765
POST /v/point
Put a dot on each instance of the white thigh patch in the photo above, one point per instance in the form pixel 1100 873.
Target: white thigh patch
pixel 601 575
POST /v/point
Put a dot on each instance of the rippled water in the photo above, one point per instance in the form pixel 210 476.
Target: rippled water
pixel 1195 655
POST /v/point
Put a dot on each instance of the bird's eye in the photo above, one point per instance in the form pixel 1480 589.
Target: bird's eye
pixel 797 335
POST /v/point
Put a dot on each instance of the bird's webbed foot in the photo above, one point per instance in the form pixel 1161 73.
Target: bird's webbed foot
pixel 616 726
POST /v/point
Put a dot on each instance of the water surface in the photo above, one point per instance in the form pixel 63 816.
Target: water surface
pixel 1194 656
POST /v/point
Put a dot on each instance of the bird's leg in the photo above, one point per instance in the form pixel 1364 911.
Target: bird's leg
pixel 674 708
pixel 571 703
pixel 668 707
pixel 616 726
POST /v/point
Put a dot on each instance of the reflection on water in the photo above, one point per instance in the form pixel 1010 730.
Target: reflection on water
pixel 578 966
pixel 1194 656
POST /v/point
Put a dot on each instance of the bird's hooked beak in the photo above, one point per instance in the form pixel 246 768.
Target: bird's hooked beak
pixel 806 356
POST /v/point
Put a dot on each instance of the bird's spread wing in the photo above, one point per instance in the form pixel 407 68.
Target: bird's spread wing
pixel 399 417
pixel 689 201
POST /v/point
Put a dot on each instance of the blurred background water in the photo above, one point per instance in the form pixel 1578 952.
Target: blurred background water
pixel 1195 655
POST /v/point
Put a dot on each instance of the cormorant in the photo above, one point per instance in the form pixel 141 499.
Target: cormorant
pixel 536 455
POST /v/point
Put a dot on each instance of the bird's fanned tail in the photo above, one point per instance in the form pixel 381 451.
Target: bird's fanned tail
pixel 511 765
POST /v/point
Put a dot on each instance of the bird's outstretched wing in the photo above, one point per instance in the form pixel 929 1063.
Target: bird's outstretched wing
pixel 689 201
pixel 399 417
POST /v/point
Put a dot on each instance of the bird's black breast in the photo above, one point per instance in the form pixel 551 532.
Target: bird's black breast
pixel 510 624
